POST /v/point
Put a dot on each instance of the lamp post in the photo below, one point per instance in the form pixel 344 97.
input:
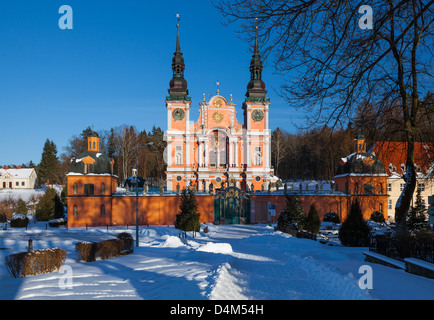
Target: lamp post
pixel 137 189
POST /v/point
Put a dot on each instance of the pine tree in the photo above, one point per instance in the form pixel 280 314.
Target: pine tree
pixel 416 218
pixel 48 169
pixel 21 206
pixel 354 231
pixel 188 217
pixel 292 216
pixel 48 206
pixel 313 221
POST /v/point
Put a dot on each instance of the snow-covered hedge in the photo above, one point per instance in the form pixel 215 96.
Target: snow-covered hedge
pixel 19 220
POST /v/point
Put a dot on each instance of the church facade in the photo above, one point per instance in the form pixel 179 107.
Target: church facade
pixel 216 150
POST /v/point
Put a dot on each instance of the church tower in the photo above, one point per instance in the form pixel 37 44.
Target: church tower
pixel 178 117
pixel 258 138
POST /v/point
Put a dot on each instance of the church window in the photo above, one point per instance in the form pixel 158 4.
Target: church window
pixel 178 178
pixel 178 158
pixel 368 188
pixel 258 159
pixel 75 210
pixel 102 210
pixel 75 188
pixel 89 189
pixel 103 188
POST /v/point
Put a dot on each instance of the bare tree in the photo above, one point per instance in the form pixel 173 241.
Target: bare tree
pixel 333 62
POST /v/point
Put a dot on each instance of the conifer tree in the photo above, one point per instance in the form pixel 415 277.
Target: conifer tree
pixel 49 206
pixel 188 217
pixel 292 216
pixel 21 206
pixel 354 231
pixel 416 218
pixel 48 169
pixel 313 221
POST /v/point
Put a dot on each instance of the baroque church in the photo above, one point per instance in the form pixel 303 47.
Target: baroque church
pixel 217 151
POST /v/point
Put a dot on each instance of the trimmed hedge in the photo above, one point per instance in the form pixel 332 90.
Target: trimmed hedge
pixel 35 262
pixel 19 221
pixel 106 249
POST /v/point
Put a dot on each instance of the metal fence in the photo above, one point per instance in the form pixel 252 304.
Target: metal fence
pixel 422 249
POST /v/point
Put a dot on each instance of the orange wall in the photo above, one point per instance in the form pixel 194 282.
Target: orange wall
pixel 121 210
pixel 323 203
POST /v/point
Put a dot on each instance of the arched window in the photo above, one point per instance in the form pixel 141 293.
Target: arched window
pixel 75 188
pixel 103 188
pixel 258 159
pixel 380 208
pixel 102 210
pixel 75 210
pixel 178 158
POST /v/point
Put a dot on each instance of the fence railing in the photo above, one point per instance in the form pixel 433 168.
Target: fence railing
pixel 422 249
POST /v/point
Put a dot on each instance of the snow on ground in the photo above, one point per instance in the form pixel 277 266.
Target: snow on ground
pixel 236 262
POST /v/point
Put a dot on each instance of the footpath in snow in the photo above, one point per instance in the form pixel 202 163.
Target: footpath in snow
pixel 235 262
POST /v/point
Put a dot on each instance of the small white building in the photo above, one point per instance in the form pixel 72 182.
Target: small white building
pixel 17 178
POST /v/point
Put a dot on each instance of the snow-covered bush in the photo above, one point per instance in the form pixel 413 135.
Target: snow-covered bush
pixel 331 216
pixel 377 216
pixel 19 220
pixel 36 262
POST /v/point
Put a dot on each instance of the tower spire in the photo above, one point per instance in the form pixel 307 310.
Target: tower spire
pixel 178 85
pixel 256 87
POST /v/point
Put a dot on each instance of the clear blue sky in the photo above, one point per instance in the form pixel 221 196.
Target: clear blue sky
pixel 113 68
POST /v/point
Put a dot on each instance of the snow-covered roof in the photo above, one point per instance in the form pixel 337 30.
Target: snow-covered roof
pixel 22 173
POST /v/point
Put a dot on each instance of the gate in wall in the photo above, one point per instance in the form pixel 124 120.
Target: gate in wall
pixel 231 206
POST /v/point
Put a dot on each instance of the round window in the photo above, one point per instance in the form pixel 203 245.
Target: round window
pixel 258 178
pixel 178 178
pixel 218 179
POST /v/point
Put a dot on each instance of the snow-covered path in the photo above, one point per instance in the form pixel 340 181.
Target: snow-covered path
pixel 236 262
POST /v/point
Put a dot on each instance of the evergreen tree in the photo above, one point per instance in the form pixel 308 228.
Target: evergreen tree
pixel 313 221
pixel 354 231
pixel 21 206
pixel 416 218
pixel 48 169
pixel 49 206
pixel 188 217
pixel 292 216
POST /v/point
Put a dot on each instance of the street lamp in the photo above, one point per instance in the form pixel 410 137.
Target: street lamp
pixel 137 189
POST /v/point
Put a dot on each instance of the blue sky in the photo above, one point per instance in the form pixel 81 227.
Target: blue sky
pixel 113 68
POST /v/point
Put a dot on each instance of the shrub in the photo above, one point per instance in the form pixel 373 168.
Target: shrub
pixel 294 211
pixel 36 262
pixel 354 231
pixel 377 216
pixel 85 251
pixel 331 216
pixel 286 223
pixel 188 217
pixel 21 206
pixel 108 248
pixel 57 222
pixel 90 251
pixel 19 221
pixel 128 242
pixel 313 221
